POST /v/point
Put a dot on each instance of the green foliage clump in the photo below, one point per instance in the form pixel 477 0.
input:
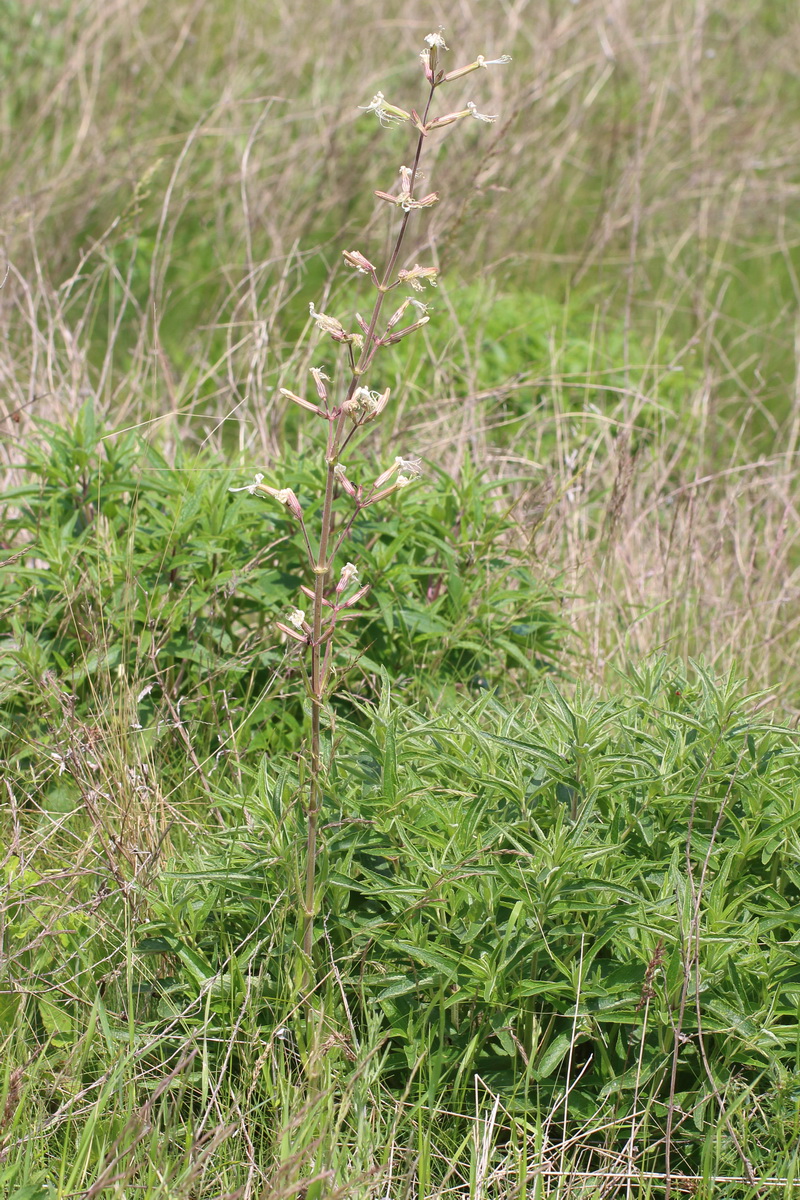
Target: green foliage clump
pixel 591 907
pixel 142 595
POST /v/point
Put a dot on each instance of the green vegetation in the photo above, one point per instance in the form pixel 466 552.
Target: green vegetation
pixel 558 922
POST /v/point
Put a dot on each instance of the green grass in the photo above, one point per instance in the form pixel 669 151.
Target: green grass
pixel 584 911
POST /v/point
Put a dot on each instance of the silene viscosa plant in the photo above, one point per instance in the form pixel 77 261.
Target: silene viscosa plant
pixel 346 406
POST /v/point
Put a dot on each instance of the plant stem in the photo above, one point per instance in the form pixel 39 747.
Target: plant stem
pixel 321 567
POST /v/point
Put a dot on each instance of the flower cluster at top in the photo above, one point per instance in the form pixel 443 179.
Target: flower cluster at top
pixel 358 404
pixel 390 114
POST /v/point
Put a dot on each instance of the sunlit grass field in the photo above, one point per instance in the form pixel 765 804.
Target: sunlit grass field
pixel 558 941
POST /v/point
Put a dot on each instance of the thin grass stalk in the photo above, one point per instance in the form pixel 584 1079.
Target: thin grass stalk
pixel 321 569
pixel 360 406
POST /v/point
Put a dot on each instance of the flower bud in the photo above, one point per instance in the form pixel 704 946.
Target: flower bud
pixel 401 333
pixel 359 595
pixel 397 316
pixel 292 633
pixel 303 403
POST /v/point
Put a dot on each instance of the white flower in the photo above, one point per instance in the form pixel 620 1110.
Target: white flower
pixel 479 116
pixel 340 472
pixel 296 617
pixel 354 258
pixel 348 576
pixel 252 488
pixel 387 114
pixel 357 401
pixel 493 62
pixel 416 274
pixel 365 404
pixel 320 379
pixel 324 322
pixel 410 467
pixel 436 39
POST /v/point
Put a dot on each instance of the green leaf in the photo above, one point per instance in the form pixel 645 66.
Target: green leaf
pixel 553 1056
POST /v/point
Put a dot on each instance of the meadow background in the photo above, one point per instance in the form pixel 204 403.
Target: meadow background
pixel 560 901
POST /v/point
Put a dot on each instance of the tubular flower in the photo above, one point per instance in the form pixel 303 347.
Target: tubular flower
pixel 340 475
pixel 387 114
pixel 479 116
pixel 412 467
pixel 493 62
pixel 354 258
pixel 480 61
pixel 348 576
pixel 325 323
pixel 364 405
pixel 416 274
pixel 252 488
pixel 436 39
pixel 409 468
pixel 320 379
pixel 282 495
pixel 406 202
pixel 333 327
pixel 285 496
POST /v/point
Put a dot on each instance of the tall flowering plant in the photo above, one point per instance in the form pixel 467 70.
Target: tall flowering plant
pixel 346 406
